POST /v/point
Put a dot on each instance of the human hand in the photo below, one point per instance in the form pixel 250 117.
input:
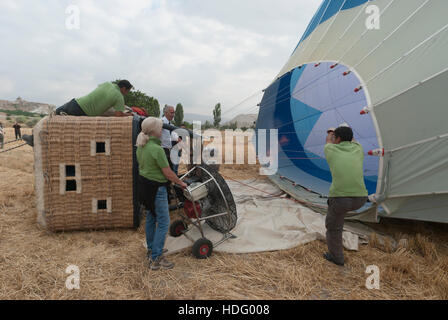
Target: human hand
pixel 183 185
pixel 330 137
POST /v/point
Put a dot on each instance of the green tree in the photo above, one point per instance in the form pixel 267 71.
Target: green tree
pixel 217 115
pixel 207 125
pixel 136 98
pixel 188 125
pixel 179 117
pixel 154 108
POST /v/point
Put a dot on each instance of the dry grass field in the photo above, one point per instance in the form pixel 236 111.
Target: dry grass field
pixel 113 266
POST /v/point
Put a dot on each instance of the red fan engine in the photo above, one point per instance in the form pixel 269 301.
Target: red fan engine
pixel 189 209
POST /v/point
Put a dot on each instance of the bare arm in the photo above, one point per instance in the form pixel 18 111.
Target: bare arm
pixel 121 114
pixel 170 175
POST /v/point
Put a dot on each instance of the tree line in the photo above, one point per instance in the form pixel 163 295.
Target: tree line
pixel 136 98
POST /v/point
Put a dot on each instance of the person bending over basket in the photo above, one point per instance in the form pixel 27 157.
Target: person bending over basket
pixel 155 172
pixel 107 96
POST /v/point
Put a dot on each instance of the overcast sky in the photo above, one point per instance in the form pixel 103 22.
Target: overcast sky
pixel 197 52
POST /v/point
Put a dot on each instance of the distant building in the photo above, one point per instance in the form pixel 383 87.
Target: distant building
pixel 244 121
pixel 23 105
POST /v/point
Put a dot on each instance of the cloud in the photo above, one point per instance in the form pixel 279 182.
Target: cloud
pixel 194 52
pixel 6 86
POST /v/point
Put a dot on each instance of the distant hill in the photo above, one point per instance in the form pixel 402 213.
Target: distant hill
pixel 27 106
pixel 243 120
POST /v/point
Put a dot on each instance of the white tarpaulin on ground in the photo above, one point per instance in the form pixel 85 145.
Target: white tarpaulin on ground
pixel 265 223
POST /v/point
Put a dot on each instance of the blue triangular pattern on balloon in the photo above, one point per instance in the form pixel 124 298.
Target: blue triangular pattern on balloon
pixel 305 118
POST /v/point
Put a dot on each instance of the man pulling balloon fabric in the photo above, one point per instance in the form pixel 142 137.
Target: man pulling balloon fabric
pixel 348 191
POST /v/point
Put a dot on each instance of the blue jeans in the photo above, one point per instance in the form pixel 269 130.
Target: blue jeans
pixel 71 108
pixel 157 227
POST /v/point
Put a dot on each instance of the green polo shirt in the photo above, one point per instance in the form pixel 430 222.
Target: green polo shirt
pixel 106 96
pixel 151 160
pixel 346 164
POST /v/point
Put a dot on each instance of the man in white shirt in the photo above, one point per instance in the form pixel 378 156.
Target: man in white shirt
pixel 167 136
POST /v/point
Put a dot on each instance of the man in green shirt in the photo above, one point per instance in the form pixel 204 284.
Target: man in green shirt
pixel 107 95
pixel 348 191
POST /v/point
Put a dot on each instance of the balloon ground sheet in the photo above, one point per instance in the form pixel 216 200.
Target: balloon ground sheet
pixel 267 223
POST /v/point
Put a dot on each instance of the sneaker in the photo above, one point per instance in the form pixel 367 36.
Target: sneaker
pixel 28 139
pixel 160 262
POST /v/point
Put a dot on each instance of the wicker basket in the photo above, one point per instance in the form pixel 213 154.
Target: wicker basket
pixel 84 173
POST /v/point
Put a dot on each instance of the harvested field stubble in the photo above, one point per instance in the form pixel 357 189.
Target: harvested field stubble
pixel 112 264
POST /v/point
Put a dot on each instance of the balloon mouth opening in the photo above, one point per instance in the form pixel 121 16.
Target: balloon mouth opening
pixel 302 104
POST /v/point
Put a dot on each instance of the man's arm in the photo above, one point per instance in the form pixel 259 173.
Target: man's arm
pixel 120 109
pixel 122 114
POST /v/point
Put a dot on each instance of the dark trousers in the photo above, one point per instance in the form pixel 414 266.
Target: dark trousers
pixel 168 156
pixel 71 108
pixel 173 167
pixel 334 222
pixel 18 134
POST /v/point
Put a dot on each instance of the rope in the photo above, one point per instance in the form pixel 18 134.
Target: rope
pixel 311 36
pixel 227 111
pixel 328 29
pixel 302 202
pixel 12 141
pixel 16 147
pixel 325 54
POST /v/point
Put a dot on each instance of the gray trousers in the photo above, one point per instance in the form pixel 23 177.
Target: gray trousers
pixel 334 222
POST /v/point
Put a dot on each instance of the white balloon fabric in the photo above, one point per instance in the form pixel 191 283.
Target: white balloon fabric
pixel 380 67
pixel 266 223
